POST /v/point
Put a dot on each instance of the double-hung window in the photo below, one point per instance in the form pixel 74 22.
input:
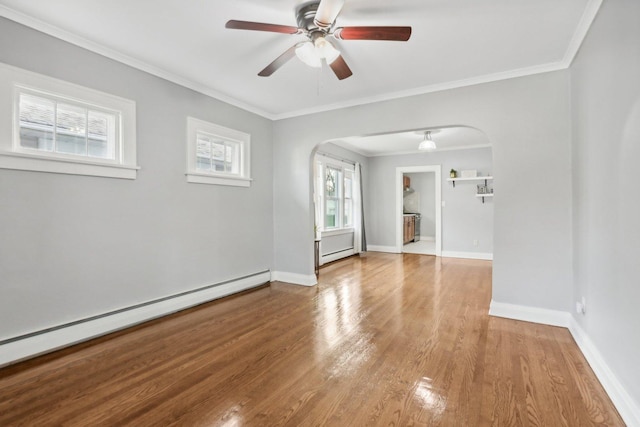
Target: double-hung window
pixel 334 194
pixel 217 155
pixel 60 127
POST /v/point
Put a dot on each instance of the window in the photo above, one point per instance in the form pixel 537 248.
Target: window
pixel 64 128
pixel 334 191
pixel 217 155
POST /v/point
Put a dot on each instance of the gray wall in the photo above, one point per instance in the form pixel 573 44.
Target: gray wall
pixel 76 246
pixel 464 218
pixel 528 122
pixel 606 207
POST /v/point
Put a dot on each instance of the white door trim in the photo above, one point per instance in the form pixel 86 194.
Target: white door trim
pixel 437 169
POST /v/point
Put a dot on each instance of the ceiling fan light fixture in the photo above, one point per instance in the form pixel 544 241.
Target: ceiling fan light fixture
pixel 306 52
pixel 326 50
pixel 427 143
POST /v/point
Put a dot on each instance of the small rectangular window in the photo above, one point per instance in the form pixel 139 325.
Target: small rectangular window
pixel 49 125
pixel 66 129
pixel 217 155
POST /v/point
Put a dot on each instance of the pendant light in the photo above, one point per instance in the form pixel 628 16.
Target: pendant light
pixel 427 143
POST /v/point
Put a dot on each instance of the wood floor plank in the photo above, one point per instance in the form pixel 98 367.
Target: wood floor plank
pixel 384 339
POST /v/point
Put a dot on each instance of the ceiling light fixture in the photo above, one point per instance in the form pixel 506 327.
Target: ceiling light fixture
pixel 312 53
pixel 427 143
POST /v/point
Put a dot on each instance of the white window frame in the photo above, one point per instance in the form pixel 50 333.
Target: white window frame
pixel 195 175
pixel 14 81
pixel 322 162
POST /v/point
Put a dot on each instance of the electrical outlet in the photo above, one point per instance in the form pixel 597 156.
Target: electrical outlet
pixel 581 306
pixel 584 305
pixel 475 242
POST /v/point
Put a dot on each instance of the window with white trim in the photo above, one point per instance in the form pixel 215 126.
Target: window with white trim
pixel 334 194
pixel 217 155
pixel 56 126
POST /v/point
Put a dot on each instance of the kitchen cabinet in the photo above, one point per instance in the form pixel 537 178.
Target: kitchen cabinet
pixel 406 182
pixel 409 228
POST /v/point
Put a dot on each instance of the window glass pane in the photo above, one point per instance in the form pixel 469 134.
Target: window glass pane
pixel 203 153
pixel 218 156
pixel 331 182
pixel 101 137
pixel 348 185
pixel 36 122
pixel 233 158
pixel 71 129
pixel 331 213
pixel 348 212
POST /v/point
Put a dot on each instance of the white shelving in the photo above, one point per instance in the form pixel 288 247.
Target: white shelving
pixel 475 178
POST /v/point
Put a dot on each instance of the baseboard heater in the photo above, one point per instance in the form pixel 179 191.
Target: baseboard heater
pixel 21 347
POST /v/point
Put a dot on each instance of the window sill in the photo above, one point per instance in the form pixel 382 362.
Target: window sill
pixel 336 232
pixel 200 178
pixel 27 162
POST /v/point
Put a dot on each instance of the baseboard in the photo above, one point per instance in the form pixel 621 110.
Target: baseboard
pixel 468 255
pixel 55 338
pixel 628 409
pixel 530 314
pixel 336 256
pixel 294 278
pixel 388 249
pixel 624 403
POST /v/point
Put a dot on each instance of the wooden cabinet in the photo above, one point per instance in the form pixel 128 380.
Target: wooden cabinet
pixel 406 182
pixel 409 228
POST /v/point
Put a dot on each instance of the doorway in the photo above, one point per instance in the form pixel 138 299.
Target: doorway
pixel 431 220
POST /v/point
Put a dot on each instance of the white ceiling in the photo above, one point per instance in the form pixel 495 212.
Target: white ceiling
pixel 454 43
pixel 446 139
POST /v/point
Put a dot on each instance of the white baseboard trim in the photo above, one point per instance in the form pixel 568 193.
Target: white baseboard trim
pixel 56 338
pixel 468 255
pixel 628 409
pixel 294 278
pixel 336 256
pixel 530 314
pixel 388 249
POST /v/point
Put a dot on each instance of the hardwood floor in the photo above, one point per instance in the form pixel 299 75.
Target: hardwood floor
pixel 382 340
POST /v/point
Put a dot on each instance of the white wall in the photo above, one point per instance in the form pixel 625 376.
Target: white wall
pixel 464 218
pixel 77 246
pixel 528 122
pixel 605 86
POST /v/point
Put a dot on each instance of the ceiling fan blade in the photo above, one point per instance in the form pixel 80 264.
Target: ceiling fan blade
pixel 259 26
pixel 340 68
pixel 400 34
pixel 328 11
pixel 279 62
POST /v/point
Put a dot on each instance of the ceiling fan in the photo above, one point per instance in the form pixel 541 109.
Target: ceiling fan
pixel 316 19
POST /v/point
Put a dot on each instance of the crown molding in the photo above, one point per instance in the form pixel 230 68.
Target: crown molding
pixel 584 24
pixel 91 46
pixel 588 16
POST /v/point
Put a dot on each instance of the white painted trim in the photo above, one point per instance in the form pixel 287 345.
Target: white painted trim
pixel 589 15
pixel 530 314
pixel 53 340
pixel 428 238
pixel 628 409
pixel 437 150
pixel 387 249
pixel 437 171
pixel 294 278
pixel 199 178
pixel 468 255
pixel 336 256
pixel 338 232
